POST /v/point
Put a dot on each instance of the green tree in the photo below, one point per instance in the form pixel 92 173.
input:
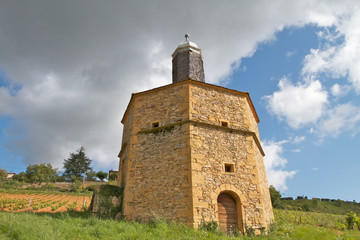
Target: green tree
pixel 21 177
pixel 77 164
pixel 113 176
pixel 3 175
pixel 101 175
pixel 91 175
pixel 275 196
pixel 38 173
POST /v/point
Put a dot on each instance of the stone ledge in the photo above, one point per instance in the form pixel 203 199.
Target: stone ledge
pixel 195 123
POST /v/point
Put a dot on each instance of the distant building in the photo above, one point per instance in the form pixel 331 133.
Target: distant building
pixel 191 152
pixel 10 175
pixel 113 172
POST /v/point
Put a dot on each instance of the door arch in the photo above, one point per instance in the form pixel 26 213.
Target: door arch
pixel 227 213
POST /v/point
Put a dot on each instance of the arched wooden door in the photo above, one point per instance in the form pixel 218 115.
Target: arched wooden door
pixel 227 213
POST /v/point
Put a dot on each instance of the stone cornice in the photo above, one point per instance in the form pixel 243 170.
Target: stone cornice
pixel 190 81
pixel 195 123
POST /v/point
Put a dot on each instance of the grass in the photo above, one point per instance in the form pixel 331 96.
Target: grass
pixel 298 219
pixel 80 225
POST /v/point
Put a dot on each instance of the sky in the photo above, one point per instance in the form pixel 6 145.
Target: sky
pixel 68 68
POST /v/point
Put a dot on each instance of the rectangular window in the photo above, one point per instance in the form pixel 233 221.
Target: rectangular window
pixel 155 124
pixel 229 167
pixel 224 124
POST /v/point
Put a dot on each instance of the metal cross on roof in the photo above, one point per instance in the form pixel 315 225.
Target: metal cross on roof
pixel 187 36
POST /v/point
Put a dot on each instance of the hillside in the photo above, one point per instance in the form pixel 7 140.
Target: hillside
pixel 320 206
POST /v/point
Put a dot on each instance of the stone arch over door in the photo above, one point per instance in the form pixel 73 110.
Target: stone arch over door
pixel 234 199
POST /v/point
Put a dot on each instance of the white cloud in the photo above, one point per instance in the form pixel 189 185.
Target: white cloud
pixel 290 53
pixel 299 139
pixel 339 91
pixel 342 118
pixel 78 62
pixel 338 60
pixel 275 164
pixel 299 104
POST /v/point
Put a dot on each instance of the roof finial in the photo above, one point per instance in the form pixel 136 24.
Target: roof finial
pixel 187 36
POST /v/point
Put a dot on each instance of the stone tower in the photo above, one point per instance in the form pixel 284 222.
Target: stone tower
pixel 191 152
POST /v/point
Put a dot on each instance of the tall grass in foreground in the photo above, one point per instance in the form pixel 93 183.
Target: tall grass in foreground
pixel 74 225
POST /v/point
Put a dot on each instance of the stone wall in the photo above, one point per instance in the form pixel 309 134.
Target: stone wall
pixel 267 206
pixel 159 184
pixel 176 169
pixel 213 145
pixel 214 105
pixel 157 175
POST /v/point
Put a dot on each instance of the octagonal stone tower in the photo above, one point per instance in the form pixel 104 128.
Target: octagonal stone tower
pixel 191 152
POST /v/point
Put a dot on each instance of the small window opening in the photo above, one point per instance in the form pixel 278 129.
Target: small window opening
pixel 224 124
pixel 155 124
pixel 229 167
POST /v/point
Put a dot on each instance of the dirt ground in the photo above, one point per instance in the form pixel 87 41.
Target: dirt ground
pixel 45 202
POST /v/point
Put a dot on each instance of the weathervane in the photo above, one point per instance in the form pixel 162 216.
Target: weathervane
pixel 187 36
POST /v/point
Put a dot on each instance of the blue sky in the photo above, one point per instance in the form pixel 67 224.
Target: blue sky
pixel 67 71
pixel 324 167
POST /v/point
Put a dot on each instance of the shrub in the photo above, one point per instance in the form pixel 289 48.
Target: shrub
pixel 352 220
pixel 275 196
pixel 210 226
pixel 3 175
pixel 102 175
pixel 306 207
pixel 76 186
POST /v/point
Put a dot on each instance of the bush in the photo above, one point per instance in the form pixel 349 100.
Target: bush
pixel 306 207
pixel 76 186
pixel 211 226
pixel 3 175
pixel 275 196
pixel 113 176
pixel 102 175
pixel 352 220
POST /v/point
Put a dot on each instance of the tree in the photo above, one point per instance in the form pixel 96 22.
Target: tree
pixel 21 177
pixel 77 164
pixel 91 175
pixel 101 175
pixel 275 196
pixel 113 176
pixel 3 175
pixel 38 173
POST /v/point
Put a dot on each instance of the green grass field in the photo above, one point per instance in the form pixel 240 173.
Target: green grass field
pixel 75 225
pixel 298 219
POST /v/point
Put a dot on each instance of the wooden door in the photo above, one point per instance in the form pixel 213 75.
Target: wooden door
pixel 227 213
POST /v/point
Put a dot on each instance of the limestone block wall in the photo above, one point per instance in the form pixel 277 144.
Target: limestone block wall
pixel 214 105
pixel 166 106
pixel 213 145
pixel 124 151
pixel 156 160
pixel 176 170
pixel 211 148
pixel 159 182
pixel 267 207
